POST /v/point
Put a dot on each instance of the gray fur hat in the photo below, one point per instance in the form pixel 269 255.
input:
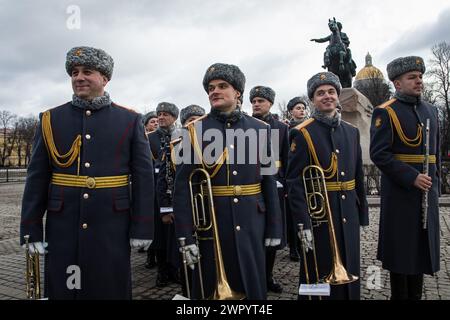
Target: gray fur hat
pixel 148 116
pixel 167 107
pixel 262 92
pixel 295 101
pixel 96 59
pixel 227 72
pixel 321 79
pixel 403 65
pixel 189 111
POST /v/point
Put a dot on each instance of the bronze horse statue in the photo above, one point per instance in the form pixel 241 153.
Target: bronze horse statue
pixel 337 57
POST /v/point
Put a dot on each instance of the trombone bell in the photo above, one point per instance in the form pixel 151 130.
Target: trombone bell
pixel 320 212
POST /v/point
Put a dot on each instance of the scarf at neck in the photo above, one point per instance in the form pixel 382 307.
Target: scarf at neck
pixel 167 131
pixel 333 122
pixel 231 117
pixel 266 118
pixel 95 104
pixel 407 98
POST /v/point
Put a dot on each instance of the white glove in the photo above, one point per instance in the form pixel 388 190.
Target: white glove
pixel 272 242
pixel 140 243
pixel 191 252
pixel 37 247
pixel 306 237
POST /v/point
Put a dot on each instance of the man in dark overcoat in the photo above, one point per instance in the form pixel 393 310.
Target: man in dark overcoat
pixel 91 173
pixel 408 243
pixel 262 99
pixel 234 148
pixel 325 140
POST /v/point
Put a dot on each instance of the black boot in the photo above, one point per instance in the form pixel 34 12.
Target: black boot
pixel 272 285
pixel 151 259
pixel 293 254
pixel 162 279
pixel 415 285
pixel 399 286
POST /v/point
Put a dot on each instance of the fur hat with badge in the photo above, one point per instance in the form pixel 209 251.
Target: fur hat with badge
pixel 167 107
pixel 96 59
pixel 403 65
pixel 323 78
pixel 262 92
pixel 227 72
pixel 190 111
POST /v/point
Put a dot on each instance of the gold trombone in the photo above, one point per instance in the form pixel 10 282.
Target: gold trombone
pixel 320 212
pixel 204 218
pixel 32 272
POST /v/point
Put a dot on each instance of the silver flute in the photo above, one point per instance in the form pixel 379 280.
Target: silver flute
pixel 426 165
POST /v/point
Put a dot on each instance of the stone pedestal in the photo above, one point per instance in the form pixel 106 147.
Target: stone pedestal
pixel 357 110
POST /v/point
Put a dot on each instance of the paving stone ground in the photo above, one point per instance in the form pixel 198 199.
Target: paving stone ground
pixel 374 282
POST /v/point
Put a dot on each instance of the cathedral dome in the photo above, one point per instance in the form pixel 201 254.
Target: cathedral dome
pixel 369 71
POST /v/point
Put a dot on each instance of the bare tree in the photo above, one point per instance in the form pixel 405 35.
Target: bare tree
pixel 6 119
pixel 439 72
pixel 429 94
pixel 27 129
pixel 375 89
pixel 12 140
pixel 284 113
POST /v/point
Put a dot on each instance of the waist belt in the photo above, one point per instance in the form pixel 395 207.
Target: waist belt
pixel 69 180
pixel 341 185
pixel 243 190
pixel 414 158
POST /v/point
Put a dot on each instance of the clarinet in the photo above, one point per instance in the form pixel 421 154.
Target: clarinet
pixel 426 165
pixel 169 171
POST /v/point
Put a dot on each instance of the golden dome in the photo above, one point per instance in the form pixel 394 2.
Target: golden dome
pixel 369 71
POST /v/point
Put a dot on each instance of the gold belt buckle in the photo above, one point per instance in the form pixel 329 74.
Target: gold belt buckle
pixel 344 185
pixel 237 190
pixel 90 183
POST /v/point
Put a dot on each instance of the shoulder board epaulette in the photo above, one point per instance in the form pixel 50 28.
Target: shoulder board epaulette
pixel 53 108
pixel 175 141
pixel 129 109
pixel 194 121
pixel 350 124
pixel 304 124
pixel 260 120
pixel 387 103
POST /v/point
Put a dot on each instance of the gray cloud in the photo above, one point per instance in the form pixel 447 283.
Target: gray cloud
pixel 420 38
pixel 162 48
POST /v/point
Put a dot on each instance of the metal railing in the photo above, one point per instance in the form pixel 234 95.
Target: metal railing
pixel 13 174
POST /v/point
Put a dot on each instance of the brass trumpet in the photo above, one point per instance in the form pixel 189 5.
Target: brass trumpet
pixel 204 218
pixel 32 272
pixel 320 212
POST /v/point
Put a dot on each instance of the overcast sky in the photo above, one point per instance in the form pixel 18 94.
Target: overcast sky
pixel 162 49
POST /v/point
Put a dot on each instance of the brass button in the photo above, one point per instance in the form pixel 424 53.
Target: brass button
pixel 342 173
pixel 87 165
pixel 238 228
pixel 88 137
pixel 343 197
pixel 85 226
pixel 90 183
pixel 337 151
pixel 235 200
pixel 228 124
pixel 344 220
pixel 85 196
pixel 88 112
pixel 234 173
